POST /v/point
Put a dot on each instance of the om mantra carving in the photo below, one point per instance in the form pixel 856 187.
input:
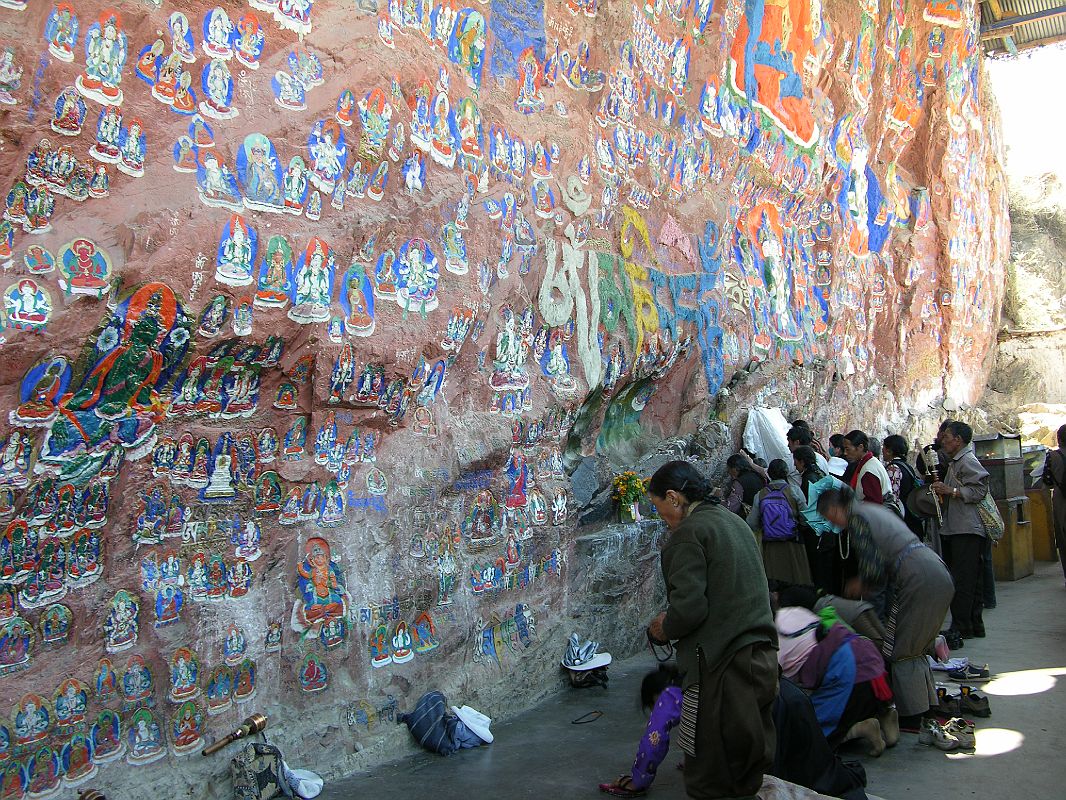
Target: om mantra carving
pixel 588 319
pixel 646 312
pixel 555 300
pixel 561 293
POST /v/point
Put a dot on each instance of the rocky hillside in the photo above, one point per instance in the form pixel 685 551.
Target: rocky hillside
pixel 1029 357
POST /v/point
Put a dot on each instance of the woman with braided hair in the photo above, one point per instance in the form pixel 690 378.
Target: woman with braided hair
pixel 718 612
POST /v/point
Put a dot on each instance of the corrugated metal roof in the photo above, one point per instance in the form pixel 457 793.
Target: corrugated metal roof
pixel 1048 30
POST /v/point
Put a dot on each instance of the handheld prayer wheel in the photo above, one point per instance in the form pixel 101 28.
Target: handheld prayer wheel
pixel 256 723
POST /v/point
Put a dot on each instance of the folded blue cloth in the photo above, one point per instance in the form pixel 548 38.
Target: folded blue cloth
pixel 465 738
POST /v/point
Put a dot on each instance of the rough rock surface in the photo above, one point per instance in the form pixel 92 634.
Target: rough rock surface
pixel 288 432
pixel 1028 359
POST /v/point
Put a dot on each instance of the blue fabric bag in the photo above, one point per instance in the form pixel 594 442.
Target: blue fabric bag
pixel 432 725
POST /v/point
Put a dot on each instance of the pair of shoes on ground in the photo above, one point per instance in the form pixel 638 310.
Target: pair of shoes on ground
pixel 955 734
pixel 947 705
pixel 973 702
pixel 971 674
pixel 969 701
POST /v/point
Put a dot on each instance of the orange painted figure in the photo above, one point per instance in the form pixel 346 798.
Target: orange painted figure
pixel 767 55
pixel 946 12
pixel 321 586
pixel 908 91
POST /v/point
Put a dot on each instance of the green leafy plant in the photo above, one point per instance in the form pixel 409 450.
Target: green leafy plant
pixel 628 488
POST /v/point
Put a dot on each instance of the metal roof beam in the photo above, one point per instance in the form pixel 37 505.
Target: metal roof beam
pixel 1005 49
pixel 1013 22
pixel 999 33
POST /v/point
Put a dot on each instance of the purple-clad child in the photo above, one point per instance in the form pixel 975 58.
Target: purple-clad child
pixel 660 691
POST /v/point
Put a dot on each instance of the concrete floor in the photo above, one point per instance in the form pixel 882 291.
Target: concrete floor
pixel 1021 749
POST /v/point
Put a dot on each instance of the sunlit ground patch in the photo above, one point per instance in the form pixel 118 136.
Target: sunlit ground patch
pixel 1029 681
pixel 992 742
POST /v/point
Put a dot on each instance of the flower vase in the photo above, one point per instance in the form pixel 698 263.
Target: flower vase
pixel 629 512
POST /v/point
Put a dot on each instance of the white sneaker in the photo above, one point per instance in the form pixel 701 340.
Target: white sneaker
pixel 933 735
pixel 963 731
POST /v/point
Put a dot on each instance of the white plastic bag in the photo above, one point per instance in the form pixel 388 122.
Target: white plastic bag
pixel 764 434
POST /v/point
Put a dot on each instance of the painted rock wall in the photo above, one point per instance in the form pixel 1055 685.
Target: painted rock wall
pixel 309 308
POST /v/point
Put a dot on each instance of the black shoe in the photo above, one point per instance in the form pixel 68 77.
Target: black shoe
pixel 953 639
pixel 979 632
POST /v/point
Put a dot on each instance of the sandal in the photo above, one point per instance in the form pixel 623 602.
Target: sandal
pixel 622 788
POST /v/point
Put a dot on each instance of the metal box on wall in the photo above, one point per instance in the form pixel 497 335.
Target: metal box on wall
pixel 1002 457
pixel 998 445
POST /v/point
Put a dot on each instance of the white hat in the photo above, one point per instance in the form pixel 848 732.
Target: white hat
pixel 477 722
pixel 304 783
pixel 598 660
pixel 582 657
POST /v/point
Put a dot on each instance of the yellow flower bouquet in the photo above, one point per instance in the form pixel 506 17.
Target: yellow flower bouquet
pixel 627 489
